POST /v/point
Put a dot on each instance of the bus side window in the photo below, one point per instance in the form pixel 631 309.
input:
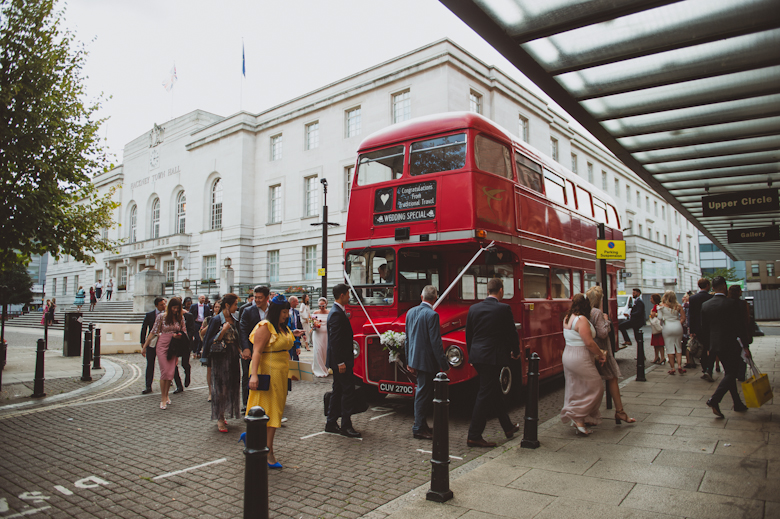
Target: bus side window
pixel 553 186
pixel 576 282
pixel 590 281
pixel 614 221
pixel 583 202
pixel 467 288
pixel 535 282
pixel 529 174
pixel 560 284
pixel 570 200
pixel 492 157
pixel 600 211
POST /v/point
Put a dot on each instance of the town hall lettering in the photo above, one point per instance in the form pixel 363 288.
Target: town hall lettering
pixel 157 176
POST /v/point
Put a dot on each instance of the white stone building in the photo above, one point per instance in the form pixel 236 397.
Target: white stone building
pixel 203 189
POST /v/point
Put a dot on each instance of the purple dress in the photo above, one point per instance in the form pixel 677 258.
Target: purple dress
pixel 166 331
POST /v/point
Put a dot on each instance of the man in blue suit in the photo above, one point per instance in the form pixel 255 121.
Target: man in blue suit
pixel 425 357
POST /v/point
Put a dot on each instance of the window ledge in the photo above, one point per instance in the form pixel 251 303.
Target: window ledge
pixel 211 230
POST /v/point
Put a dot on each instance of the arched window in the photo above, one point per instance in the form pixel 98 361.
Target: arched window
pixel 216 204
pixel 181 213
pixel 133 224
pixel 156 218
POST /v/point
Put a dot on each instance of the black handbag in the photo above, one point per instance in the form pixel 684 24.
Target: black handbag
pixel 178 347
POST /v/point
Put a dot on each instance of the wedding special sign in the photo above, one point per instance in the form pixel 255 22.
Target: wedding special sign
pixel 413 203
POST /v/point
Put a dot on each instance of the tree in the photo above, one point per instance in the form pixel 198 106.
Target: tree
pixel 49 144
pixel 729 274
pixel 15 289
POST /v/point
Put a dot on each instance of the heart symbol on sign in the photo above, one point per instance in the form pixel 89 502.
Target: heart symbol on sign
pixel 384 198
pixel 500 255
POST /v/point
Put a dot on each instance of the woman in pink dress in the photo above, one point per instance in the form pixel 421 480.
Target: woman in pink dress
pixel 166 326
pixel 584 389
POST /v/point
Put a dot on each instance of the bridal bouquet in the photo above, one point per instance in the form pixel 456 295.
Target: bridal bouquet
pixel 393 342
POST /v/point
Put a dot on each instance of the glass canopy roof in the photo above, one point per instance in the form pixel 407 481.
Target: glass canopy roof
pixel 685 92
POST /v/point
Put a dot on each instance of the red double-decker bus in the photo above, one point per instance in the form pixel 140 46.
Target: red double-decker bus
pixel 427 195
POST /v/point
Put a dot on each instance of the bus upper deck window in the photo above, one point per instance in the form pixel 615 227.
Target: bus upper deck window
pixel 441 154
pixel 614 221
pixel 583 202
pixel 600 211
pixel 529 173
pixel 492 157
pixel 380 166
pixel 553 185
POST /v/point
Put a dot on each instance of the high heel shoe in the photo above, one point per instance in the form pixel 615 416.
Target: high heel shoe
pixel 163 406
pixel 622 415
pixel 580 429
pixel 682 371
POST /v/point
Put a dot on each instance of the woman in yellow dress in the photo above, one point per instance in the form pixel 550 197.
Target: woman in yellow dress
pixel 272 340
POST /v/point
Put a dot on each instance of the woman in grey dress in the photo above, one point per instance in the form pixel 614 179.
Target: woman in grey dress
pixel 225 366
pixel 609 371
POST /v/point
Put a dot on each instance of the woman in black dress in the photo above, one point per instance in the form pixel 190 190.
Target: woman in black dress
pixel 225 366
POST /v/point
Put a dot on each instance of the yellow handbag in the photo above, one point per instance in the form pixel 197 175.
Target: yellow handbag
pixel 756 389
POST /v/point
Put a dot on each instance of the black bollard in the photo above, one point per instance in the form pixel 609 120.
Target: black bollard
pixel 440 459
pixel 530 431
pixel 85 373
pixel 640 356
pixel 45 332
pixel 256 472
pixel 38 384
pixel 96 349
pixel 608 394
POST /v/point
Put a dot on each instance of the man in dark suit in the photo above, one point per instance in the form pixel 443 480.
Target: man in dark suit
pixel 151 352
pixel 250 301
pixel 341 360
pixel 425 357
pixel 491 338
pixel 637 318
pixel 192 331
pixel 722 323
pixel 200 311
pixel 249 319
pixel 695 304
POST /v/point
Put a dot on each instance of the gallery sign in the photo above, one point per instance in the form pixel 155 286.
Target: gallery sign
pixel 742 202
pixel 754 234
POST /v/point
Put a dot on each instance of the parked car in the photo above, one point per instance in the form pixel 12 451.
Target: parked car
pixel 625 302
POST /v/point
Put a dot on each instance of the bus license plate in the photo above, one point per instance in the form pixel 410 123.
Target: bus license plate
pixel 396 388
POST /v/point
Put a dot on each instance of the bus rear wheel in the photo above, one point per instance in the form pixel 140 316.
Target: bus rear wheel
pixel 511 379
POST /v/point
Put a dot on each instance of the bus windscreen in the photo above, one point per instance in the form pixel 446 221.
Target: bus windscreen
pixel 440 154
pixel 380 166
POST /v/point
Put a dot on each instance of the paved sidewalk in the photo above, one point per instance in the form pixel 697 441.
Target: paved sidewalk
pixel 678 460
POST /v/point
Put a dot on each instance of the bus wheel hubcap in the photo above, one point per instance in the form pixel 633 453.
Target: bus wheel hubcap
pixel 506 380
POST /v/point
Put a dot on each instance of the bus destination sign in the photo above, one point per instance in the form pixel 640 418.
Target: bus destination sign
pixel 754 234
pixel 415 215
pixel 742 202
pixel 412 196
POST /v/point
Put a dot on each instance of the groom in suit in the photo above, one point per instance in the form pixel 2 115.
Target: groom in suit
pixel 341 360
pixel 721 325
pixel 425 357
pixel 491 338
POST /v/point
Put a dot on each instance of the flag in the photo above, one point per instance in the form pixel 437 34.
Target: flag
pixel 169 82
pixel 243 59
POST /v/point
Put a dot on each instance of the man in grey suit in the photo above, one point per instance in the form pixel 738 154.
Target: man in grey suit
pixel 425 357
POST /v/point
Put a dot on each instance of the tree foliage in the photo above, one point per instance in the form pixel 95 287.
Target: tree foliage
pixel 729 274
pixel 49 144
pixel 15 286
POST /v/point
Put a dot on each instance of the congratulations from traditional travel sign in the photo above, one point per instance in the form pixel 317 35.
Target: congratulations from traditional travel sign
pixel 742 202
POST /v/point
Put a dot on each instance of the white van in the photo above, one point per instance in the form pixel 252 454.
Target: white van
pixel 625 302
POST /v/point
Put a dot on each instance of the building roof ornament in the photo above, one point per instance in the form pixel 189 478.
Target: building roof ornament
pixel 156 135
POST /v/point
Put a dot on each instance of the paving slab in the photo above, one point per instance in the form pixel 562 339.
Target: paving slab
pixel 765 489
pixel 582 488
pixel 692 504
pixel 647 474
pixel 677 443
pixel 573 508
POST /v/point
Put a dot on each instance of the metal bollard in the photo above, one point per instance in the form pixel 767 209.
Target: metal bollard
pixel 85 373
pixel 608 394
pixel 96 350
pixel 45 332
pixel 256 472
pixel 38 384
pixel 440 459
pixel 530 431
pixel 640 356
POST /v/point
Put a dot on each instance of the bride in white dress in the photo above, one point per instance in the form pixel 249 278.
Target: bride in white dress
pixel 319 335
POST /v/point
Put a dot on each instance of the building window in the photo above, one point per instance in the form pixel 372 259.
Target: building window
pixel 638 200
pixel 574 163
pixel 313 135
pixel 647 204
pixel 181 213
pixel 75 284
pixel 690 258
pixel 65 286
pixel 156 218
pixel 209 267
pixel 122 285
pixel 649 233
pixel 604 181
pixel 170 271
pixel 658 236
pixel 312 196
pixel 54 286
pixel 134 224
pixel 276 147
pixel 310 262
pixel 663 212
pixel 523 129
pixel 590 172
pixel 273 265
pixel 640 229
pixel 554 148
pixel 666 241
pixel 631 226
pixel 275 204
pixel 655 207
pixel 675 217
pixel 349 172
pixel 628 194
pixel 754 269
pixel 617 188
pixel 216 204
pixel 770 269
pixel 353 122
pixel 402 107
pixel 475 102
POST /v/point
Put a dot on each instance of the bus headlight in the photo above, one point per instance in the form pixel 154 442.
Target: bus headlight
pixel 355 349
pixel 454 356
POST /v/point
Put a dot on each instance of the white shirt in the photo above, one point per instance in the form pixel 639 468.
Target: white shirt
pixel 263 313
pixel 98 285
pixel 340 306
pixel 109 285
pixel 201 309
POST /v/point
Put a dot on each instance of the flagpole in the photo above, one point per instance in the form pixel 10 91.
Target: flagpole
pixel 243 77
pixel 174 68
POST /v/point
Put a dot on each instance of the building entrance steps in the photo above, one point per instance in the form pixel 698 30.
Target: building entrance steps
pixel 115 312
pixel 678 460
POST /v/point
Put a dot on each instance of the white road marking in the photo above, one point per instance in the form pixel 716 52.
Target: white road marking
pixel 429 452
pixel 64 490
pixel 326 432
pixel 381 416
pixel 90 482
pixel 380 409
pixel 169 474
pixel 27 512
pixel 311 435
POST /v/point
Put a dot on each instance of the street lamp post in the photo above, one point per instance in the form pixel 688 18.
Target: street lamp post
pixel 325 223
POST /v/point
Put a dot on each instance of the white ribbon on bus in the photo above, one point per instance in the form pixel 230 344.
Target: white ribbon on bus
pixel 441 297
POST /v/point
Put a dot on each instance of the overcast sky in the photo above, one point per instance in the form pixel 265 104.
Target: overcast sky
pixel 292 47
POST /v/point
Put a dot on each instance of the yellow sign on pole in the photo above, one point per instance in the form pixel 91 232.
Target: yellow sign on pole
pixel 611 249
pixel 321 272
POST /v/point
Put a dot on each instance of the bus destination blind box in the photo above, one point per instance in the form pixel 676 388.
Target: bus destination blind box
pixel 402 233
